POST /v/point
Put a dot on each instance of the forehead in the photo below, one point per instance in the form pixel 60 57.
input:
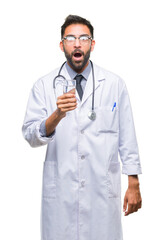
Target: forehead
pixel 77 29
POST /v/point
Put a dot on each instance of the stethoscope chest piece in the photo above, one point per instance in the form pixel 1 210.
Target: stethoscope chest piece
pixel 92 115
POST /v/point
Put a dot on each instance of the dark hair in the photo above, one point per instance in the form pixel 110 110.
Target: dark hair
pixel 74 19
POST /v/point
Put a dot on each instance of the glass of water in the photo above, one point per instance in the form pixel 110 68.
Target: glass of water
pixel 63 86
pixel 68 85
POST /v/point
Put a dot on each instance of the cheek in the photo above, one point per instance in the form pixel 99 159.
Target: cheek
pixel 67 50
pixel 87 49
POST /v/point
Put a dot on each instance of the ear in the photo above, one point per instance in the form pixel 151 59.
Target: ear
pixel 92 45
pixel 61 46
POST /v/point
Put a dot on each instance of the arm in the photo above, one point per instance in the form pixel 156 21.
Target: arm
pixel 66 102
pixel 36 113
pixel 129 154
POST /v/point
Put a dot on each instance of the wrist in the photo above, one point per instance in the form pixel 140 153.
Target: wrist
pixel 133 181
pixel 59 114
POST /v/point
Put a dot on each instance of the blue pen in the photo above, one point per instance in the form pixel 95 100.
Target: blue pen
pixel 114 106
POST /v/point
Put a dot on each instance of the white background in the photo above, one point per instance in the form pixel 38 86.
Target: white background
pixel 130 42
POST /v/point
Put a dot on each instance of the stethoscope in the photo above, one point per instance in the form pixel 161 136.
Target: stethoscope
pixel 91 114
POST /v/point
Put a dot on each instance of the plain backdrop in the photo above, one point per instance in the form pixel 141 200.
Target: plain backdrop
pixel 129 42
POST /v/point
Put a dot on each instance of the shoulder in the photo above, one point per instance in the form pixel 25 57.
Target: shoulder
pixel 109 76
pixel 46 79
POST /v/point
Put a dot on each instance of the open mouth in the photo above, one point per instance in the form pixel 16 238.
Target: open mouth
pixel 77 55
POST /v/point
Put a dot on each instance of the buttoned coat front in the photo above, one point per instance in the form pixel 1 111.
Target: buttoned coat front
pixel 81 195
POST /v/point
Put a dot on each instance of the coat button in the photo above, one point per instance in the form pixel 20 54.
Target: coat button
pixel 82 183
pixel 82 157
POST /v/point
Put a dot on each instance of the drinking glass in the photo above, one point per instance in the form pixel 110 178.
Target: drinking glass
pixel 63 86
pixel 68 85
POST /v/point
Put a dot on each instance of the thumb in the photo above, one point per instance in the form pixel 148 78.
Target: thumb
pixel 125 203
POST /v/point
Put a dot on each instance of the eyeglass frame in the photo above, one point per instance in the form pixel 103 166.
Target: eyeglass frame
pixel 73 41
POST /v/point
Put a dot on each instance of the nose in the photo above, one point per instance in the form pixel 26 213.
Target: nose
pixel 77 43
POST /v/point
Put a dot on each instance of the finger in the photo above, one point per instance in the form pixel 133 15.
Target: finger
pixel 125 204
pixel 140 205
pixel 129 210
pixel 68 105
pixel 132 208
pixel 67 100
pixel 68 109
pixel 65 107
pixel 67 95
pixel 135 208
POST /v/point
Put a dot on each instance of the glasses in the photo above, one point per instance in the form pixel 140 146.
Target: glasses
pixel 83 39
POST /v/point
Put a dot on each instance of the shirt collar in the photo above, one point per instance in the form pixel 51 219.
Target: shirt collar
pixel 85 73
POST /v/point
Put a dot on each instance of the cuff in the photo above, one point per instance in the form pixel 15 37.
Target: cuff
pixel 42 140
pixel 42 130
pixel 131 169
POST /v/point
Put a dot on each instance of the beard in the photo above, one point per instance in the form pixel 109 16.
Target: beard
pixel 77 66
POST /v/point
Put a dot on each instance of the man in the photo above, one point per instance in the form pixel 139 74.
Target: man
pixel 81 197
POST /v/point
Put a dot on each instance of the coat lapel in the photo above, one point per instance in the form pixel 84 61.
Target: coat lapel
pixel 99 77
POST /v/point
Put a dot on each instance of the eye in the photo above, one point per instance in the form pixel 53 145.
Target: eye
pixel 84 38
pixel 70 38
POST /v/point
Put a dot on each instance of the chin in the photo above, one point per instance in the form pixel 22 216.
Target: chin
pixel 77 66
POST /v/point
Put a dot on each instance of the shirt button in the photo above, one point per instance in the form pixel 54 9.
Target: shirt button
pixel 82 157
pixel 82 131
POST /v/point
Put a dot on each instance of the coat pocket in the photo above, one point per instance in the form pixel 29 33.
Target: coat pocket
pixel 107 120
pixel 49 179
pixel 114 180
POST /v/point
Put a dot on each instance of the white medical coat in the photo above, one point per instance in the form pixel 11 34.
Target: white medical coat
pixel 81 196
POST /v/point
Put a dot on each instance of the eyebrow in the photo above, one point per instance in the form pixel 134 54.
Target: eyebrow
pixel 71 35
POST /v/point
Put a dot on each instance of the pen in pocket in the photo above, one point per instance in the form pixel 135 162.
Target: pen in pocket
pixel 114 106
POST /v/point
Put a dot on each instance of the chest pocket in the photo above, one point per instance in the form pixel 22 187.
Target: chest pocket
pixel 107 120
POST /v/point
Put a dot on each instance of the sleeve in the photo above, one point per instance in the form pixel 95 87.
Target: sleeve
pixel 36 113
pixel 43 128
pixel 128 147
